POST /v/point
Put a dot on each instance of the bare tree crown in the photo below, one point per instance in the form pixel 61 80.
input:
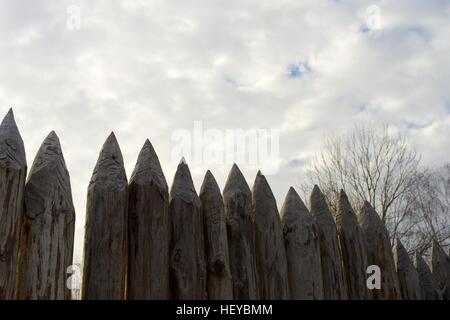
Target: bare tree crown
pixel 378 165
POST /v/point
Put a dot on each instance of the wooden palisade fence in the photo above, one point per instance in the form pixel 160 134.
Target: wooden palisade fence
pixel 142 242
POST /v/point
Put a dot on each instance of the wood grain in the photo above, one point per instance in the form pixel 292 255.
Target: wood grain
pixel 301 239
pixel 216 242
pixel 270 252
pixel 429 288
pixel 407 275
pixel 105 244
pixel 148 229
pixel 241 235
pixel 440 268
pixel 187 260
pixel 353 250
pixel 46 244
pixel 379 252
pixel 13 170
pixel 332 273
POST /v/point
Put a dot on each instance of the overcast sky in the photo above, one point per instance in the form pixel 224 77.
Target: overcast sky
pixel 146 69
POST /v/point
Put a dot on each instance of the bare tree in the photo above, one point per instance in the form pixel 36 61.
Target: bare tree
pixel 427 204
pixel 369 163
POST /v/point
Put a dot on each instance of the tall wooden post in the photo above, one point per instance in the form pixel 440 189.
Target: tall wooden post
pixel 301 240
pixel 187 245
pixel 148 229
pixel 105 243
pixel 379 253
pixel 241 235
pixel 270 252
pixel 353 250
pixel 216 243
pixel 332 276
pixel 440 268
pixel 46 244
pixel 407 275
pixel 13 171
pixel 429 289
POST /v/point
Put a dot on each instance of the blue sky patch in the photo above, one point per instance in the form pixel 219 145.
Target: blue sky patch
pixel 299 69
pixel 361 108
pixel 296 162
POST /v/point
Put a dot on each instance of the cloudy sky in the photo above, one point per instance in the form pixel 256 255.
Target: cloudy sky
pixel 148 69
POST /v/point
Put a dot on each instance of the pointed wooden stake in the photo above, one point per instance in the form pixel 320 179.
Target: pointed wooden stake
pixel 332 276
pixel 301 240
pixel 440 268
pixel 379 253
pixel 149 229
pixel 407 275
pixel 270 252
pixel 429 289
pixel 105 244
pixel 188 245
pixel 46 244
pixel 216 243
pixel 241 235
pixel 353 250
pixel 13 171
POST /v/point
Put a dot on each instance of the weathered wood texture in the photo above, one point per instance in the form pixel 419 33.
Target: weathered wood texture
pixel 187 260
pixel 241 235
pixel 13 170
pixel 105 244
pixel 301 239
pixel 332 276
pixel 407 275
pixel 379 252
pixel 440 268
pixel 271 261
pixel 148 229
pixel 429 289
pixel 353 250
pixel 216 243
pixel 47 235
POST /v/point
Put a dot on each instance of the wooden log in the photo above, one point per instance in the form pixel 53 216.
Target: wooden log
pixel 407 275
pixel 429 289
pixel 332 276
pixel 216 243
pixel 379 253
pixel 301 239
pixel 353 250
pixel 13 171
pixel 105 243
pixel 271 261
pixel 46 241
pixel 440 268
pixel 241 235
pixel 148 229
pixel 187 261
